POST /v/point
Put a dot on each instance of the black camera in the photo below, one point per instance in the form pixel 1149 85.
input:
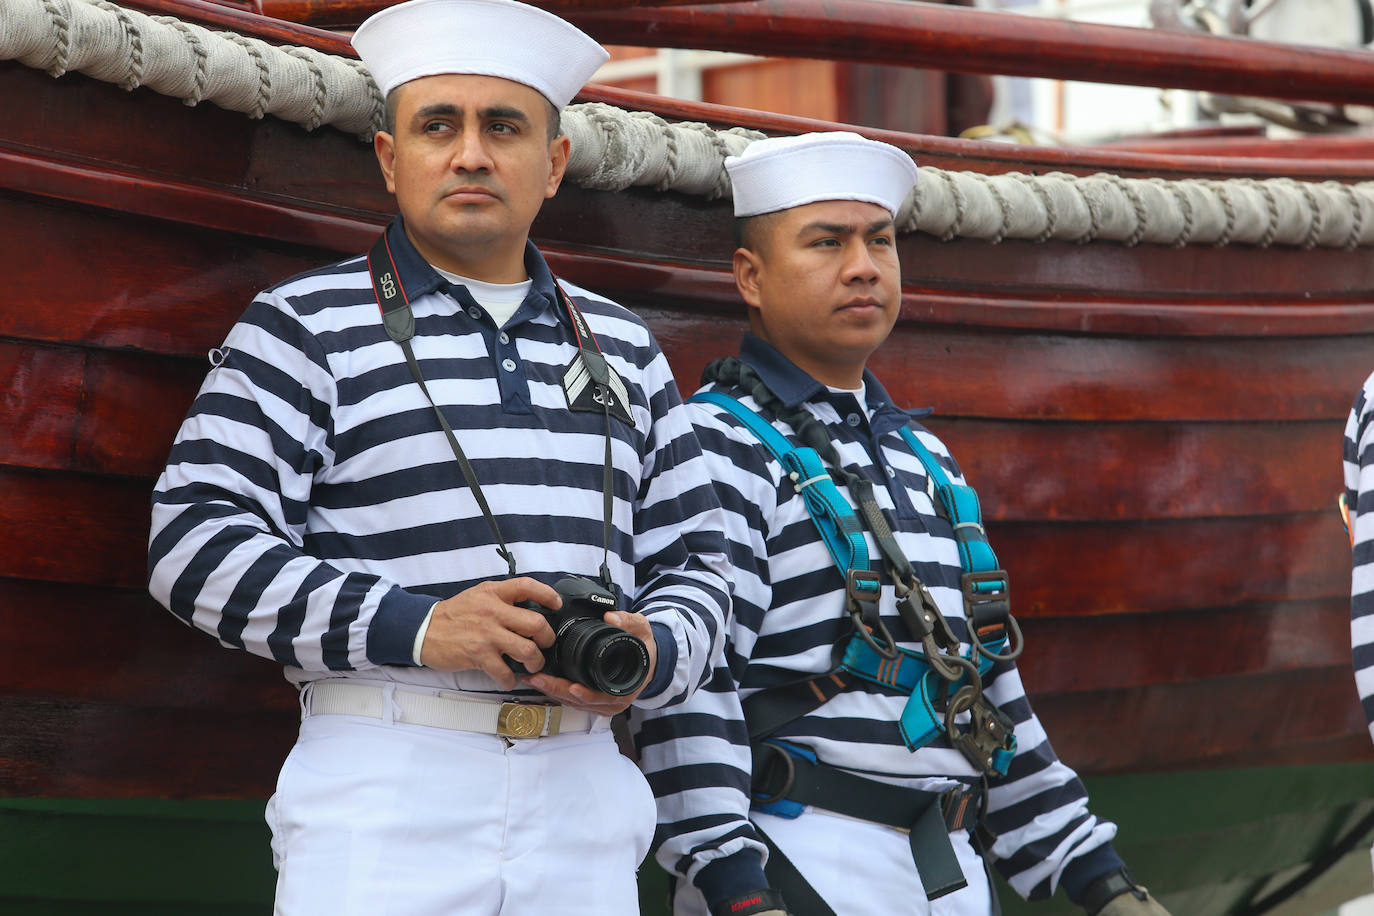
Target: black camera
pixel 585 648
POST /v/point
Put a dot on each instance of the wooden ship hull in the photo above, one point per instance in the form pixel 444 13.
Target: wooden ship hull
pixel 1155 433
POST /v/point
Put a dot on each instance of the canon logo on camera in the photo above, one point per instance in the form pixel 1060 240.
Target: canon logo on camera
pixel 602 599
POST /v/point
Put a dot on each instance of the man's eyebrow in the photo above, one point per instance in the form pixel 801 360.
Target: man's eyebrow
pixel 828 228
pixel 844 228
pixel 440 109
pixel 504 113
pixel 494 113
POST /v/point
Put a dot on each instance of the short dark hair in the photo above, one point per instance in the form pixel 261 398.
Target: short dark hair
pixel 749 230
pixel 389 119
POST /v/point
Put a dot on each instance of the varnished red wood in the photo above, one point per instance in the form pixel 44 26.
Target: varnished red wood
pixel 94 530
pixel 114 413
pixel 1204 723
pixel 131 652
pixel 1183 647
pixel 74 528
pixel 1153 432
pixel 979 41
pixel 351 12
pixel 939 37
pixel 92 748
pixel 1092 568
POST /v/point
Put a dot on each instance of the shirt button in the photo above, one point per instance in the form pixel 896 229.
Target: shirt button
pixel 891 473
pixel 852 419
pixel 504 338
pixel 474 312
pixel 508 365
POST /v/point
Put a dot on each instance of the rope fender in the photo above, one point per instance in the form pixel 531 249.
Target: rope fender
pixel 613 149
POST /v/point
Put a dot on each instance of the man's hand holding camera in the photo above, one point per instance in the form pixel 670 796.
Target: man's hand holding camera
pixel 581 696
pixel 480 626
pixel 565 641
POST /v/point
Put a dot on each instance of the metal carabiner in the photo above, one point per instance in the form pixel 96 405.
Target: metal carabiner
pixel 952 668
pixel 962 701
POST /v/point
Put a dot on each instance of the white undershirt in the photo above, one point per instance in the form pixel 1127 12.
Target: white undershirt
pixel 860 395
pixel 499 299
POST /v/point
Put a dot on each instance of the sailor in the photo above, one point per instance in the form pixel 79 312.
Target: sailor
pixel 1357 503
pixel 867 735
pixel 393 465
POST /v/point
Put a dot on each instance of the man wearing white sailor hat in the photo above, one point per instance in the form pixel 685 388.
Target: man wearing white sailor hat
pixel 814 778
pixel 409 469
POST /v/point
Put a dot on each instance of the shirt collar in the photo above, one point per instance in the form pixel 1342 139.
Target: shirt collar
pixel 419 278
pixel 793 385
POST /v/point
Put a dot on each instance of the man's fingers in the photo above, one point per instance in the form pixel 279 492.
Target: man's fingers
pixel 532 625
pixel 523 588
pixel 519 649
pixel 578 696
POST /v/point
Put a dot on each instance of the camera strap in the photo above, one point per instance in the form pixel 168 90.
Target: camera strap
pixel 399 322
pixel 604 380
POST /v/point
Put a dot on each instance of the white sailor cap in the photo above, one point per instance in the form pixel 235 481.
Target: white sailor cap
pixel 502 38
pixel 784 172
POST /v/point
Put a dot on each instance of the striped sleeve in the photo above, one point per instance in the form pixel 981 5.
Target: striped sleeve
pixel 680 565
pixel 230 512
pixel 696 755
pixel 1359 494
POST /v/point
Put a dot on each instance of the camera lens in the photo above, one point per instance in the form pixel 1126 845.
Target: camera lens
pixel 601 656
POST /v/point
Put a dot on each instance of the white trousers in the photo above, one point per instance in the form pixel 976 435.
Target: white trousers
pixel 371 819
pixel 861 869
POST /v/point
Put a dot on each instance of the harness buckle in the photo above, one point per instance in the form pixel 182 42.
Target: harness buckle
pixel 960 806
pixel 987 605
pixel 862 585
pixel 763 773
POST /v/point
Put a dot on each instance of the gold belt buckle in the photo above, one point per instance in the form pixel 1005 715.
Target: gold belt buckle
pixel 528 720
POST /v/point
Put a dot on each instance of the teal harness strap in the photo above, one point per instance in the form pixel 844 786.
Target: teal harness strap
pixel 961 503
pixel 839 527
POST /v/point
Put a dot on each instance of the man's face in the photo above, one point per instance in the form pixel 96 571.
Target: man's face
pixel 470 163
pixel 823 285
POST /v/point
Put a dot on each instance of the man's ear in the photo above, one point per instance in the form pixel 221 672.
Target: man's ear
pixel 384 145
pixel 747 267
pixel 559 149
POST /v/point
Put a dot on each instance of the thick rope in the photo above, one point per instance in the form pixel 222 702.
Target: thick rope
pixel 614 149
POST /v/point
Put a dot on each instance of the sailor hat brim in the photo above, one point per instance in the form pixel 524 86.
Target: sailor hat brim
pixel 780 173
pixel 499 38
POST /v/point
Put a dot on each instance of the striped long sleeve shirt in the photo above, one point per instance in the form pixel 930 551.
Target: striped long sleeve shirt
pixel 789 611
pixel 312 510
pixel 1359 496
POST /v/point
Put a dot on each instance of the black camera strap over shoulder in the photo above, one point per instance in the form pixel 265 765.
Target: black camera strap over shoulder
pixel 399 322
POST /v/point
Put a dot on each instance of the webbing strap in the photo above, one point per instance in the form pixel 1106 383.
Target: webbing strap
pixel 807 781
pixel 839 527
pixel 961 504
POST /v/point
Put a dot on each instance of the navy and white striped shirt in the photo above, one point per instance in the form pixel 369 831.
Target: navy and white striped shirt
pixel 788 612
pixel 1359 496
pixel 312 510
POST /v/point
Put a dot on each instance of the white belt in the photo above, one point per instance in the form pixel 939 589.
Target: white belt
pixel 445 709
